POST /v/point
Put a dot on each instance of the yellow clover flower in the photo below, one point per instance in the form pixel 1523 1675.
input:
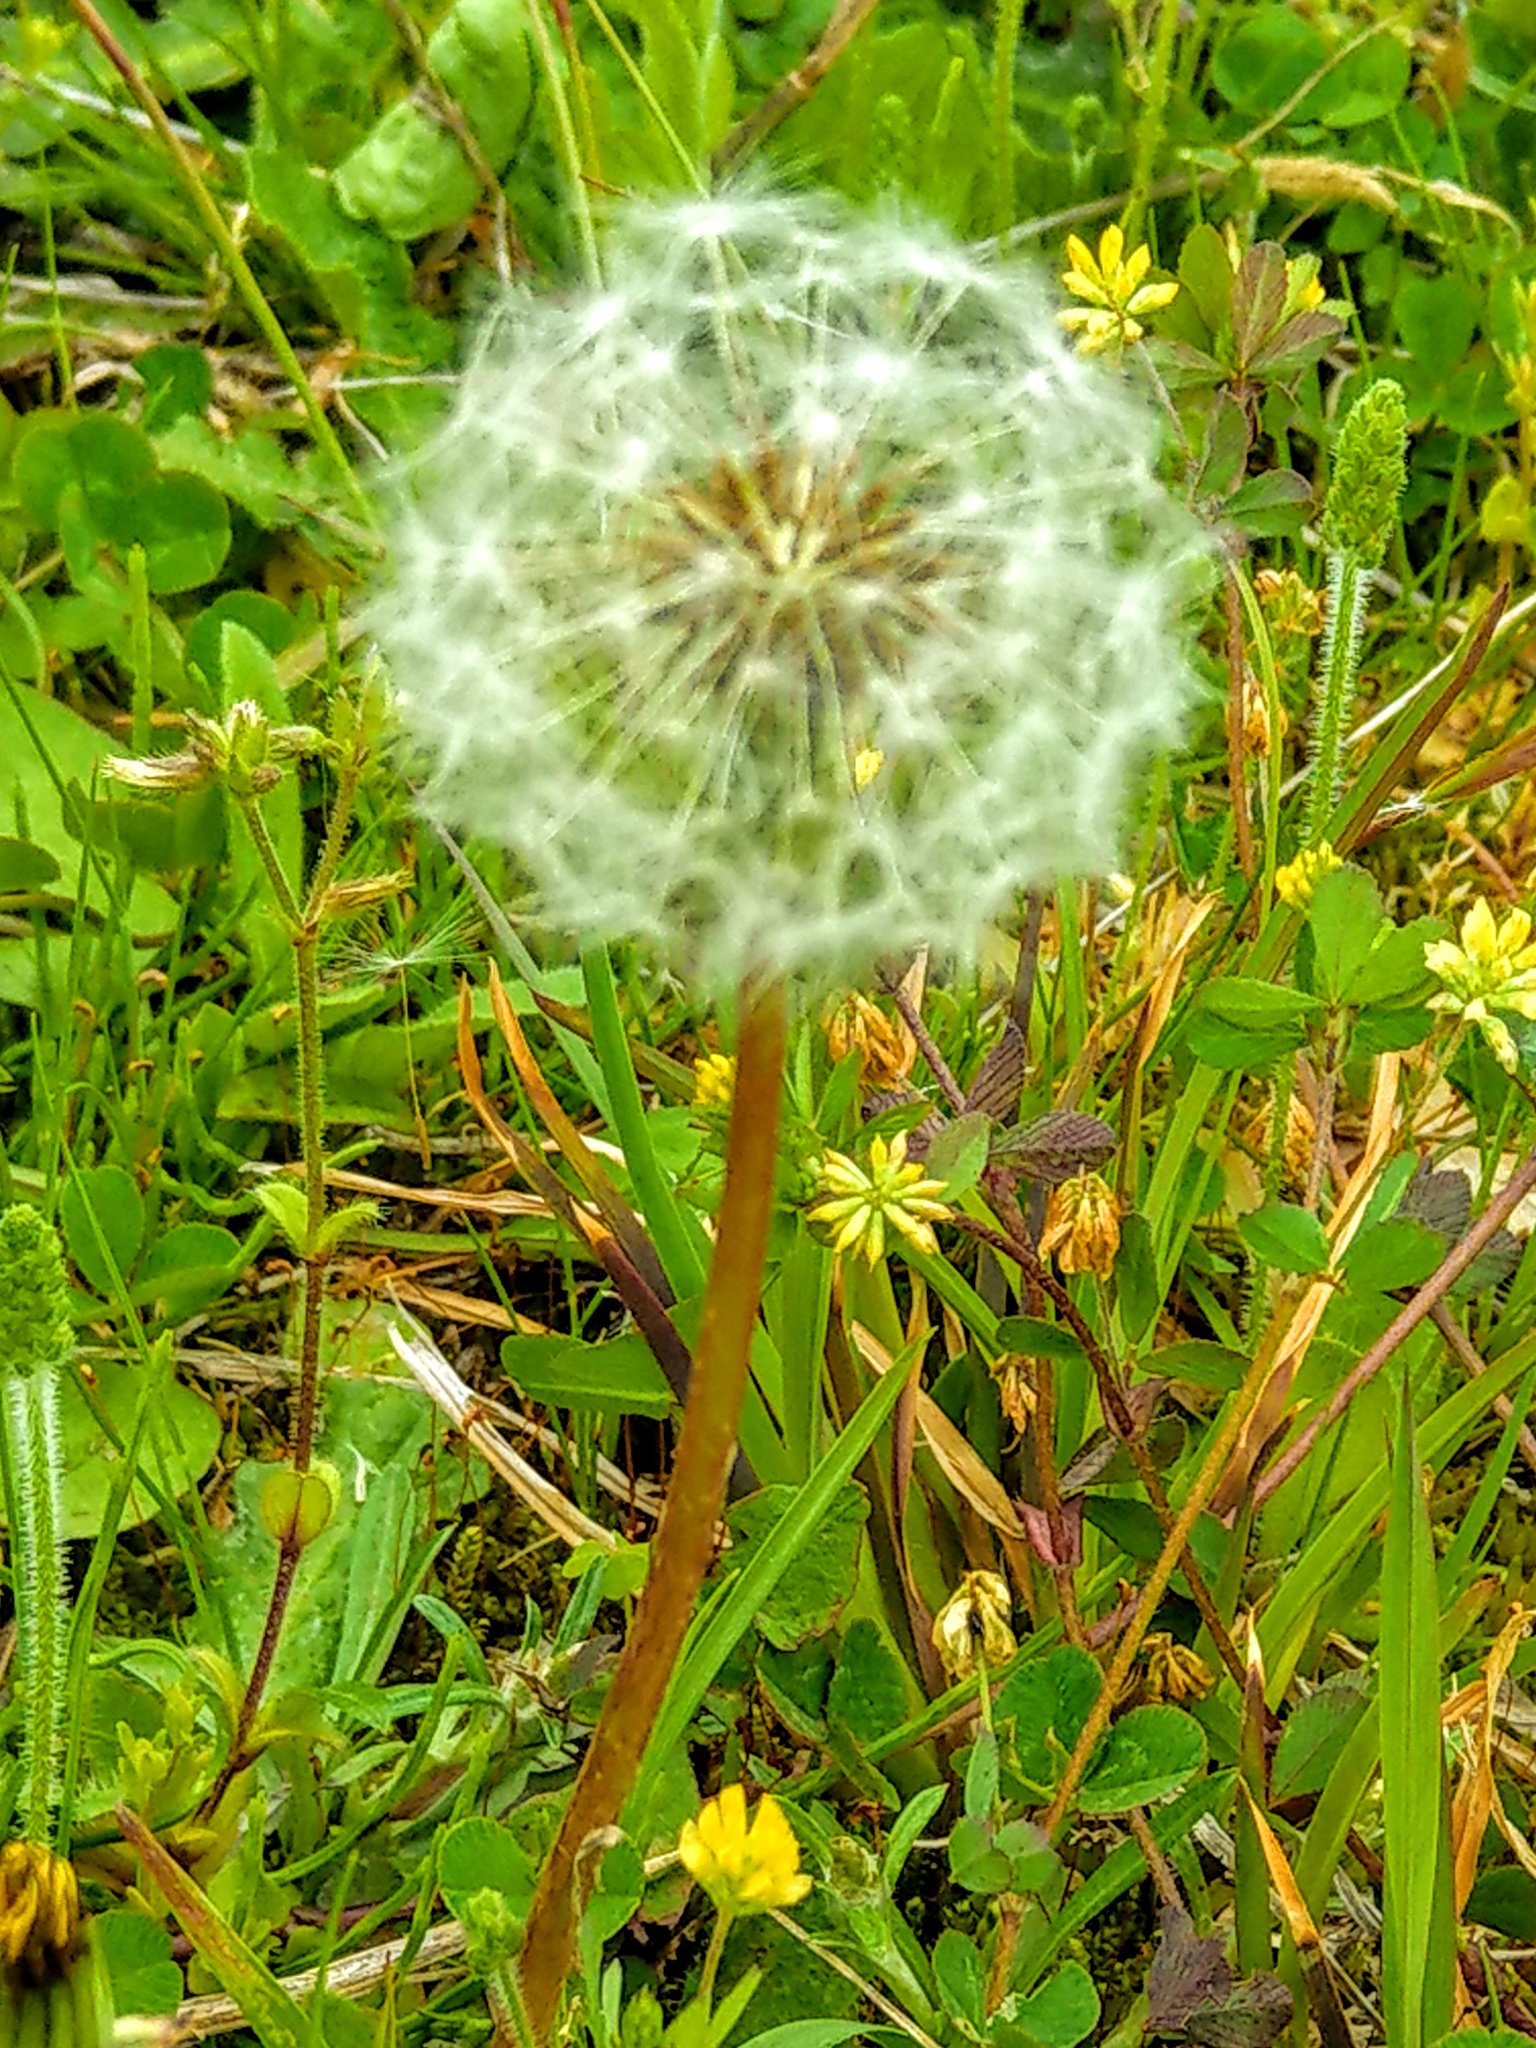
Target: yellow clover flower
pixel 714 1080
pixel 1111 283
pixel 891 1192
pixel 1493 969
pixel 745 1869
pixel 1295 882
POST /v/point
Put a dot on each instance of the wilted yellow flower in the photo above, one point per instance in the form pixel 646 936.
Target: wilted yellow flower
pixel 39 1912
pixel 1295 882
pixel 1082 1225
pixel 1015 1389
pixel 745 1869
pixel 886 1048
pixel 862 1203
pixel 1172 1672
pixel 714 1081
pixel 1493 969
pixel 1111 282
pixel 1293 605
pixel 974 1625
pixel 1256 718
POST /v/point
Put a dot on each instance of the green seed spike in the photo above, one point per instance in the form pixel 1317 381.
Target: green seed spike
pixel 1369 476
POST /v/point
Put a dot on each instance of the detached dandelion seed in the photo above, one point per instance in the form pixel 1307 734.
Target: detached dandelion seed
pixel 793 599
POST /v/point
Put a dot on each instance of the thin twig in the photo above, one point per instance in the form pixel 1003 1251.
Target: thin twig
pixel 1402 1325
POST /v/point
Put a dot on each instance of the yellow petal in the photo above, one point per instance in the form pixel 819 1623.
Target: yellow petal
pixel 1478 933
pixel 1080 256
pixel 1137 264
pixel 1153 297
pixel 1111 249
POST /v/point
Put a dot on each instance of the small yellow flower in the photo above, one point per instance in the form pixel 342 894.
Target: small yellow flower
pixel 862 1202
pixel 1493 969
pixel 973 1626
pixel 1111 283
pixel 39 1912
pixel 1015 1389
pixel 744 1869
pixel 1295 882
pixel 867 763
pixel 886 1049
pixel 1082 1225
pixel 714 1081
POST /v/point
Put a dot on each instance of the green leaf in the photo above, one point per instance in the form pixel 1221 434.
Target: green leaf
pixel 1287 1237
pixel 1138 1290
pixel 1063 2012
pixel 478 1854
pixel 961 1977
pixel 1200 1362
pixel 869 1692
pixel 136 1952
pixel 1145 1755
pixel 187 1268
pixel 958 1154
pixel 101 1213
pixel 1266 59
pixel 981 1776
pixel 1345 920
pixel 1397 1253
pixel 1436 320
pixel 618 1377
pixel 810 1596
pixel 180 1442
pixel 25 867
pixel 1048 1702
pixel 1038 1337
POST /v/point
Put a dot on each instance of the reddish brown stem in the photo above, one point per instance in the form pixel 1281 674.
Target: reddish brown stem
pixel 684 1541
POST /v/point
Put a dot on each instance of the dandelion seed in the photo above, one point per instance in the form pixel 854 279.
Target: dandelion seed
pixel 796 600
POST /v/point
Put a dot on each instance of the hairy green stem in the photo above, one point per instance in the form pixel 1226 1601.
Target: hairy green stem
pixel 1149 132
pixel 1347 585
pixel 34 1456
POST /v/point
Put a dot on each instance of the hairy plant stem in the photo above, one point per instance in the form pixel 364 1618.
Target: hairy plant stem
pixel 1348 583
pixel 34 1461
pixel 1149 132
pixel 304 923
pixel 681 1551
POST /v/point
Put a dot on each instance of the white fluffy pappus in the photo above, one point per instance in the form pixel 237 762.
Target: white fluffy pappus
pixel 794 598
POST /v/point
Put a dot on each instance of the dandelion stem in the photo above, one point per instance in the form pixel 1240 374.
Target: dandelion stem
pixel 685 1539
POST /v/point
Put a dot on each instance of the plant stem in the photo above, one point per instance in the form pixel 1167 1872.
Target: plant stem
pixel 1347 583
pixel 1403 1324
pixel 222 237
pixel 1004 49
pixel 1149 134
pixel 34 1459
pixel 685 1539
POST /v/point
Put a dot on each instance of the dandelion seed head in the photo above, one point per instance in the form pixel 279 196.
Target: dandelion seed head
pixel 792 492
